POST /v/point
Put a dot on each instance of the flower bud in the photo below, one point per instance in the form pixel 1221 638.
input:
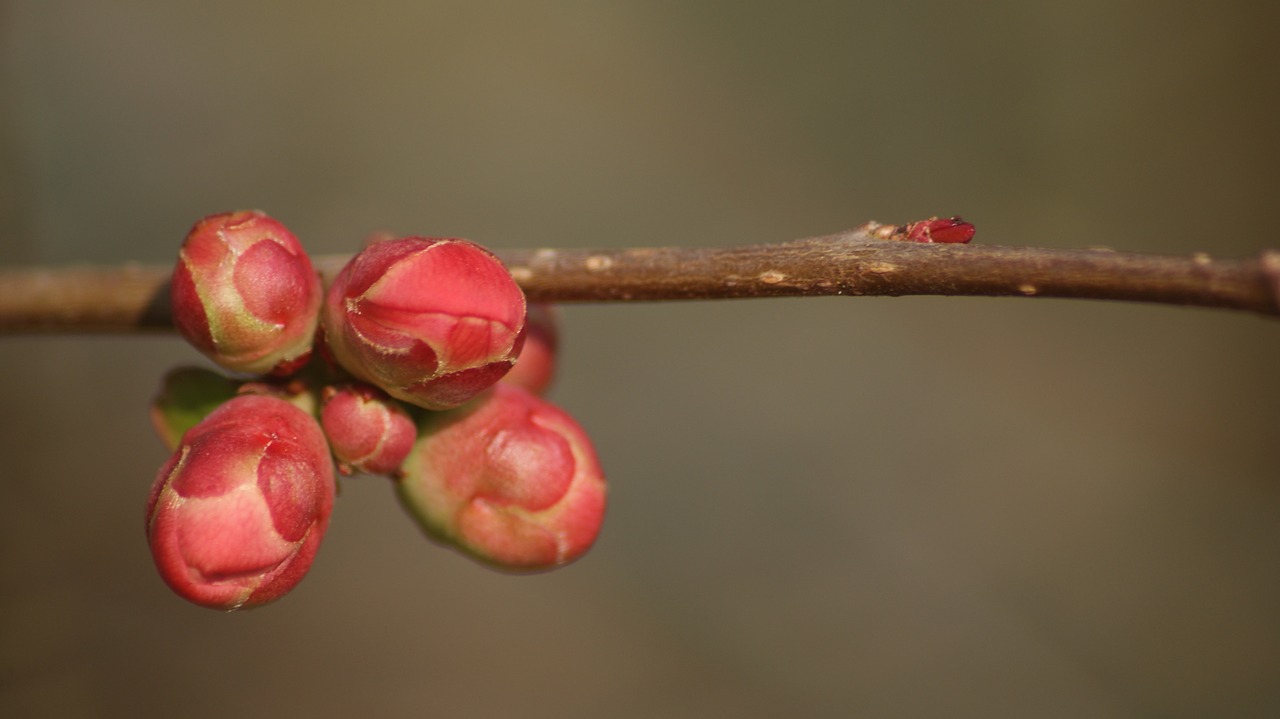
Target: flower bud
pixel 536 366
pixel 245 294
pixel 237 513
pixel 367 430
pixel 433 322
pixel 512 480
pixel 952 230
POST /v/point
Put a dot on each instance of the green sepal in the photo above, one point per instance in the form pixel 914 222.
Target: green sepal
pixel 187 395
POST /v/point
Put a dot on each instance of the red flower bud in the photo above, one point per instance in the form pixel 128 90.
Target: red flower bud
pixel 536 366
pixel 237 513
pixel 245 294
pixel 367 430
pixel 433 322
pixel 950 230
pixel 512 480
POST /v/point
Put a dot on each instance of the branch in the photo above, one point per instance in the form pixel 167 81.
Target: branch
pixel 134 298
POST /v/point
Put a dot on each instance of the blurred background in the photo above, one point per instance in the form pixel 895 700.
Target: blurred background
pixel 822 507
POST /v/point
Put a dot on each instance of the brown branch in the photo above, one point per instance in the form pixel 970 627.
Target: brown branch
pixel 134 298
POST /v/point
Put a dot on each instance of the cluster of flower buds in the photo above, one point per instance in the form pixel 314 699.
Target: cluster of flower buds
pixel 416 334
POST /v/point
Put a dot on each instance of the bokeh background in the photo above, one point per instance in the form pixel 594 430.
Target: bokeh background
pixel 822 508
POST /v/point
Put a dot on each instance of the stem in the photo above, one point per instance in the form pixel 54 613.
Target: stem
pixel 134 298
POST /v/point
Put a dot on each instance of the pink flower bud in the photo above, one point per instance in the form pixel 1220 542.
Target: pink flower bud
pixel 237 513
pixel 536 366
pixel 433 322
pixel 952 230
pixel 367 430
pixel 512 480
pixel 245 294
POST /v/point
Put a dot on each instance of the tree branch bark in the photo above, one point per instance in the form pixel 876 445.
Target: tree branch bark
pixel 134 298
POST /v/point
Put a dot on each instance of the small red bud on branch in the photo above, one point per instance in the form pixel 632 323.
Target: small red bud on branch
pixel 951 230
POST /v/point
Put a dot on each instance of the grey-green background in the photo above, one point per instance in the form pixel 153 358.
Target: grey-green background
pixel 828 507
